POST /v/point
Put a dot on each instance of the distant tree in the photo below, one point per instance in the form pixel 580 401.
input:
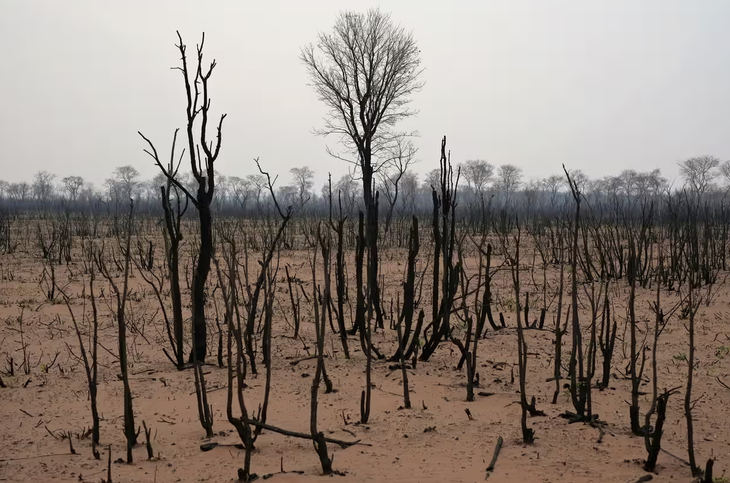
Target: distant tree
pixel 303 182
pixel 72 185
pixel 4 185
pixel 88 193
pixel 258 184
pixel 18 191
pixel 349 190
pixel 650 182
pixel 579 178
pixel 222 188
pixel 432 180
pixel 239 190
pixel 509 178
pixel 114 192
pixel 152 187
pixel 403 154
pixel 287 195
pixel 409 191
pixel 725 170
pixel 43 186
pixel 477 174
pixel 609 185
pixel 699 172
pixel 127 177
pixel 553 184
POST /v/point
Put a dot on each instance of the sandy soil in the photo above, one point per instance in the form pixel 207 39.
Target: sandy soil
pixel 434 441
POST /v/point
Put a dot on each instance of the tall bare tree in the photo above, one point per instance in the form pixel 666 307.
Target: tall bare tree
pixel 365 72
pixel 202 165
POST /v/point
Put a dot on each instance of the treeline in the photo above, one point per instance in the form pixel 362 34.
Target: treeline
pixel 482 188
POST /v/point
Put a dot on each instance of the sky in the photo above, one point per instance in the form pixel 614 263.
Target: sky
pixel 599 85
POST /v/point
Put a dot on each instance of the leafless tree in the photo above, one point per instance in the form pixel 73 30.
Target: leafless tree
pixel 699 172
pixel 127 179
pixel 18 191
pixel 432 180
pixel 348 192
pixel 122 296
pixel 509 178
pixel 43 186
pixel 365 72
pixel 403 155
pixel 240 190
pixel 72 185
pixel 258 186
pixel 303 182
pixel 477 174
pixel 202 165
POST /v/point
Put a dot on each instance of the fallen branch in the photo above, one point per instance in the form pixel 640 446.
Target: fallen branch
pixel 38 456
pixel 342 444
pixel 497 449
pixel 722 383
pixel 309 358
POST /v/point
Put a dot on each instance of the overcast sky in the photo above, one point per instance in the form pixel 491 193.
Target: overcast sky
pixel 598 85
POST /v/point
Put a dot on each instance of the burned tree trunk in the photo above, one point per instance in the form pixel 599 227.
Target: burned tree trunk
pixel 578 390
pixel 121 297
pixel 444 243
pixel 172 237
pixel 202 165
pixel 559 332
pixel 320 445
pixel 409 289
pixel 340 282
pixel 89 356
pixel 654 439
pixel 607 340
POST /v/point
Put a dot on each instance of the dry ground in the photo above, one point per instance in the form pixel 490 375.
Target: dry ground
pixel 399 446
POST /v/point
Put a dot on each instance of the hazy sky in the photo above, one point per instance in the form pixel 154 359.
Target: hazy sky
pixel 597 85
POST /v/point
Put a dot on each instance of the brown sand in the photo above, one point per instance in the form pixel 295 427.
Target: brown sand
pixel 399 447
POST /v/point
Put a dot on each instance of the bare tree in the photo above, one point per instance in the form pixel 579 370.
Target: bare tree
pixel 432 180
pixel 122 297
pixel 366 72
pixel 258 185
pixel 240 189
pixel 198 107
pixel 403 155
pixel 348 192
pixel 303 182
pixel 72 185
pixel 43 186
pixel 127 177
pixel 579 178
pixel 477 173
pixel 509 178
pixel 699 172
pixel 18 191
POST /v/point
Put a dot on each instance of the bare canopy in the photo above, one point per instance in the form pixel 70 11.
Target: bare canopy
pixel 365 72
